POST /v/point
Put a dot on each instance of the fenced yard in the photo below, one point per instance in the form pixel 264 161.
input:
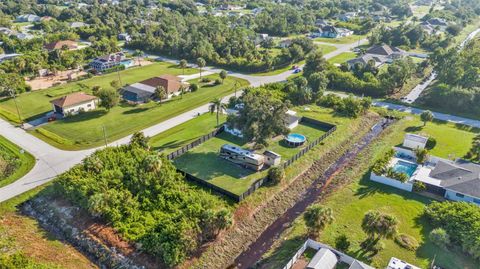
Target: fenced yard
pixel 200 162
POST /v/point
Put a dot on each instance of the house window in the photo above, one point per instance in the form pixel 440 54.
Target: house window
pixel 459 195
pixel 477 201
pixel 89 105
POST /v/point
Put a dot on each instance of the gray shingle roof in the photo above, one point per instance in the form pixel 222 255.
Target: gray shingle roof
pixel 460 176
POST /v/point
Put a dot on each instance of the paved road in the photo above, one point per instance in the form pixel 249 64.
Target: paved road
pixel 436 115
pixel 411 97
pixel 255 251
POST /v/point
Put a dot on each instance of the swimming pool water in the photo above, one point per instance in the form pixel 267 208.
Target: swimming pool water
pixel 404 167
pixel 296 138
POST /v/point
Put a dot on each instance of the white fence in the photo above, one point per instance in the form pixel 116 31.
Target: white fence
pixel 391 182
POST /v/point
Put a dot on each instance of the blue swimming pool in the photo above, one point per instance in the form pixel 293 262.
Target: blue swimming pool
pixel 295 139
pixel 405 167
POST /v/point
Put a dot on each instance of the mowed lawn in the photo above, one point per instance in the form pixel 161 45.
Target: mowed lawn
pixel 86 130
pixel 185 133
pixel 351 202
pixel 37 103
pixel 27 161
pixel 342 57
pixel 342 40
pixel 204 162
pixel 324 48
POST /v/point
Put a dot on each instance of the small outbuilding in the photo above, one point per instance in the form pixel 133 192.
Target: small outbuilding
pixel 323 259
pixel 414 141
pixel 74 103
pixel 272 158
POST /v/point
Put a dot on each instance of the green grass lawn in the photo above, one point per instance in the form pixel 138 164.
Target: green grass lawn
pixel 351 202
pixel 37 103
pixel 342 40
pixel 27 161
pixel 203 161
pixel 324 48
pixel 185 133
pixel 86 130
pixel 342 57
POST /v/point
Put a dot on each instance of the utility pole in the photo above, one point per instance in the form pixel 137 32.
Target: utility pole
pixel 235 87
pixel 104 135
pixel 118 74
pixel 12 92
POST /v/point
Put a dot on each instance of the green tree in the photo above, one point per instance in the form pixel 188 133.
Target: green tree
pixel 223 75
pixel 183 64
pixel 139 139
pixel 115 84
pixel 216 105
pixel 108 98
pixel 160 93
pixel 379 225
pixel 314 63
pixel 201 64
pixel 426 116
pixel 422 155
pixel 439 237
pixel 318 81
pixel 276 174
pixel 193 87
pixel 317 217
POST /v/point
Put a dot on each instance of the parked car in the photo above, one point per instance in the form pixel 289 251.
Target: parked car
pixel 296 71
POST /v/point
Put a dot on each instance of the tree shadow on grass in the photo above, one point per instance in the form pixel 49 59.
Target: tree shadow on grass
pixel 85 116
pixel 135 110
pixel 413 129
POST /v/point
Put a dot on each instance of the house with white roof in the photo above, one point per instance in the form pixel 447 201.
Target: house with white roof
pixel 27 18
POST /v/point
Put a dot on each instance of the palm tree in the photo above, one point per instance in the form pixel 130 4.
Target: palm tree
pixel 182 91
pixel 223 75
pixel 183 65
pixel 217 105
pixel 160 93
pixel 426 115
pixel 317 217
pixel 379 224
pixel 201 64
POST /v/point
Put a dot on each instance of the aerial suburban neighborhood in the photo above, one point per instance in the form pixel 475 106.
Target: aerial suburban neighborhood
pixel 259 134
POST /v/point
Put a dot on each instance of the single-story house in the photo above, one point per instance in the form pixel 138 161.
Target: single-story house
pixel 323 259
pixel 292 120
pixel 27 18
pixel 144 91
pixel 24 36
pixel 5 57
pixel 124 36
pixel 347 16
pixel 109 61
pixel 331 32
pixel 74 103
pixel 285 43
pixel 457 180
pixel 414 141
pixel 380 54
pixel 58 45
pixel 434 25
pixel 6 31
pixel 321 23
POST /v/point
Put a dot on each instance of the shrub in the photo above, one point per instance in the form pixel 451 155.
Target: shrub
pixel 406 241
pixel 205 80
pixel 439 237
pixel 342 243
pixel 193 87
pixel 431 143
pixel 218 81
pixel 419 186
pixel 276 174
pixel 422 155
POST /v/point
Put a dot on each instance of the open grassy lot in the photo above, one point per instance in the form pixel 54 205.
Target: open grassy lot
pixel 185 133
pixel 25 161
pixel 341 40
pixel 203 161
pixel 21 235
pixel 351 202
pixel 342 57
pixel 324 48
pixel 37 103
pixel 86 130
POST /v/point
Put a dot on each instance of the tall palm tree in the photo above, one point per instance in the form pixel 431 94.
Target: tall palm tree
pixel 217 105
pixel 201 64
pixel 160 93
pixel 183 64
pixel 379 224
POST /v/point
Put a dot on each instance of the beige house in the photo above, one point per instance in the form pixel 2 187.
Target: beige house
pixel 74 103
